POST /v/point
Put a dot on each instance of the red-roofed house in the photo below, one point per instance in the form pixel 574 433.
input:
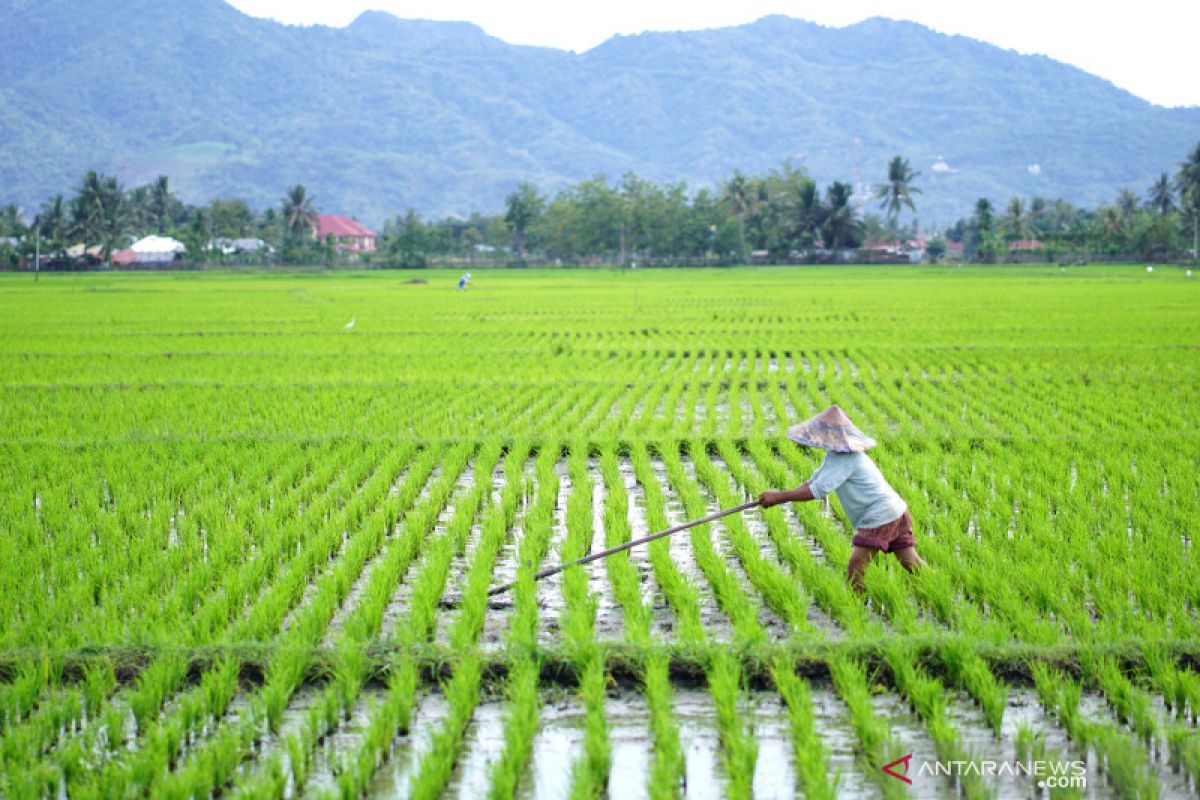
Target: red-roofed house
pixel 349 236
pixel 1025 246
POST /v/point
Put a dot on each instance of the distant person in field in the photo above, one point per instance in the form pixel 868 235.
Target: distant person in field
pixel 464 280
pixel 879 515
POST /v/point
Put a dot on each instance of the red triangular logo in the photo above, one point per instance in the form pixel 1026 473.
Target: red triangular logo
pixel 901 775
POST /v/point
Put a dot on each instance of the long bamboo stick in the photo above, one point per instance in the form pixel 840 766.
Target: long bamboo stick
pixel 548 571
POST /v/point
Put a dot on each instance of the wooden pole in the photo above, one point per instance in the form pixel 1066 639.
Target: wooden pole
pixel 546 573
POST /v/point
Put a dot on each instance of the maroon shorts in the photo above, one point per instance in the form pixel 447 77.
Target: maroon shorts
pixel 896 535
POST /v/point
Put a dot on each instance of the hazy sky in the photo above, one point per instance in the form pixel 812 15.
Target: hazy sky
pixel 1150 47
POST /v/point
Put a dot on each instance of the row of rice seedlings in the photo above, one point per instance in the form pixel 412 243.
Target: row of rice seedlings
pixel 351 664
pixel 681 594
pixel 928 698
pixel 778 589
pixel 1135 708
pixel 159 680
pixel 589 772
pixel 741 609
pixel 1180 688
pixel 812 759
pixel 874 738
pixel 521 686
pixel 462 689
pixel 212 761
pixel 667 768
pixel 392 715
pixel 739 749
pixel 1123 760
pixel 1030 746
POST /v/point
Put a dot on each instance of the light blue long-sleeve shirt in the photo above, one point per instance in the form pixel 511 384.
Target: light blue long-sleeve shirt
pixel 866 497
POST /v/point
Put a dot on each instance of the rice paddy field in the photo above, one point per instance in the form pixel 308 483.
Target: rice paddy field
pixel 248 524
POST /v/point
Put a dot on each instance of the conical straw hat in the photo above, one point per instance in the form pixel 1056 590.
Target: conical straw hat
pixel 831 430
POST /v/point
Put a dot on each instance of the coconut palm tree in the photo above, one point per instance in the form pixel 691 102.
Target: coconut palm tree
pixel 898 191
pixel 1127 204
pixel 86 207
pixel 1188 183
pixel 1015 219
pixel 1162 194
pixel 161 202
pixel 738 198
pixel 54 226
pixel 808 214
pixel 299 215
pixel 113 215
pixel 841 224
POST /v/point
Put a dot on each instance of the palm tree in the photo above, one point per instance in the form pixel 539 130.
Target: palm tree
pixel 1189 194
pixel 1127 204
pixel 737 196
pixel 160 204
pixel 86 209
pixel 113 217
pixel 1015 219
pixel 1161 194
pixel 52 222
pixel 841 224
pixel 898 191
pixel 299 215
pixel 809 214
pixel 983 215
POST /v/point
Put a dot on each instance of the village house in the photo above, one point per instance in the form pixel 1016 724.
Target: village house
pixel 348 235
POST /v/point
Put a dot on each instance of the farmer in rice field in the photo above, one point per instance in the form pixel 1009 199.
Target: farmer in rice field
pixel 879 515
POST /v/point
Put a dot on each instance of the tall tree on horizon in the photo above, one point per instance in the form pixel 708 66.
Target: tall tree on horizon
pixel 841 224
pixel 522 208
pixel 1015 219
pixel 161 202
pixel 1161 195
pixel 299 213
pixel 897 192
pixel 1189 194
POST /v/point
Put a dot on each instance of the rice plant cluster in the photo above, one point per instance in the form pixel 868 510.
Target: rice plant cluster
pixel 246 549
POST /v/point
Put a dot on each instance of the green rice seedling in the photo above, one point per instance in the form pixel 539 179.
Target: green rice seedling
pixel 875 742
pixel 681 594
pixel 520 726
pixel 667 769
pixel 1184 749
pixel 1031 747
pixel 589 772
pixel 966 668
pixel 1132 705
pixel 812 759
pixel 740 608
pixel 739 750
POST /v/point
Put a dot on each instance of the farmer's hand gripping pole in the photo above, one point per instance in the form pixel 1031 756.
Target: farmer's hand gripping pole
pixel 546 573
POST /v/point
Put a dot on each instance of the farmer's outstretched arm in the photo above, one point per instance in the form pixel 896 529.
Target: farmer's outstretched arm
pixel 797 495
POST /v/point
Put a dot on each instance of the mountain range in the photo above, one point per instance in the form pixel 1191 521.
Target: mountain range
pixel 387 114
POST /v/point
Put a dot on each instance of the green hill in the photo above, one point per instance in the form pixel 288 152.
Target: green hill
pixel 387 113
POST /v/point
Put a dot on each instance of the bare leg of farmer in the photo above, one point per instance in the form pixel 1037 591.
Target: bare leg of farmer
pixel 858 565
pixel 909 559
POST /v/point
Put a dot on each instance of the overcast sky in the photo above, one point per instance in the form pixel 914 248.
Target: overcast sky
pixel 1150 47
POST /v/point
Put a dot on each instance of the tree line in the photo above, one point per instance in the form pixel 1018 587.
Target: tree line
pixel 1157 226
pixel 779 216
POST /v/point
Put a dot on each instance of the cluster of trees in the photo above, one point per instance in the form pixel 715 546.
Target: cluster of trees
pixel 779 216
pixel 1157 227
